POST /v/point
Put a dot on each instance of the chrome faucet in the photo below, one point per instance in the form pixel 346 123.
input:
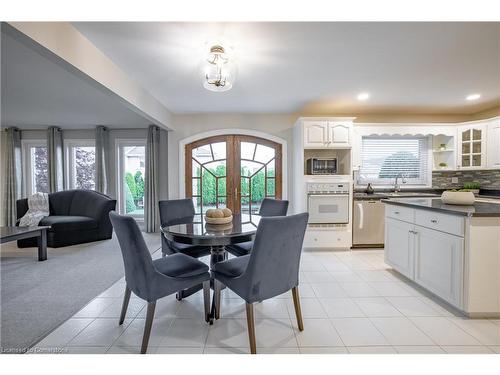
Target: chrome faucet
pixel 397 187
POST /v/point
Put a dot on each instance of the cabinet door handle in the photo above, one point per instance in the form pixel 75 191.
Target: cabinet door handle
pixel 434 221
pixel 396 212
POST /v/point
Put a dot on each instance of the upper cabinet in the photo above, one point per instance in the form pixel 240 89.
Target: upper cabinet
pixel 471 146
pixel 327 134
pixel 493 135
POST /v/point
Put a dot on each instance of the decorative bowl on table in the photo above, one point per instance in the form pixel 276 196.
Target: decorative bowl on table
pixel 460 198
pixel 218 216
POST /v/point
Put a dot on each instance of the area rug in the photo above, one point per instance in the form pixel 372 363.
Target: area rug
pixel 36 297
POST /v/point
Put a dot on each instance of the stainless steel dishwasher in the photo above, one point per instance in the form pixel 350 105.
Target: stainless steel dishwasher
pixel 368 223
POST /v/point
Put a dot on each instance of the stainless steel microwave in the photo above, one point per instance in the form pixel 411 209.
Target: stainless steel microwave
pixel 321 166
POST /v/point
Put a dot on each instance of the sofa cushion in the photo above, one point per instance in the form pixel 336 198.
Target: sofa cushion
pixel 87 203
pixel 62 223
pixel 180 265
pixel 60 202
pixel 233 267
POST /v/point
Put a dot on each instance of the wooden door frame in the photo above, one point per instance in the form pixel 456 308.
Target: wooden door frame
pixel 233 165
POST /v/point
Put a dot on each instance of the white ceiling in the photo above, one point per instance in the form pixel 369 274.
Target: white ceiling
pixel 313 67
pixel 37 92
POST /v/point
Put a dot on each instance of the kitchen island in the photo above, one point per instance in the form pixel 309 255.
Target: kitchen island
pixel 452 251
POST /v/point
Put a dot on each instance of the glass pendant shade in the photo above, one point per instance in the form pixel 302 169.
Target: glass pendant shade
pixel 219 71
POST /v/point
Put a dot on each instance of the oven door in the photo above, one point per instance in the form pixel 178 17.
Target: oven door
pixel 328 208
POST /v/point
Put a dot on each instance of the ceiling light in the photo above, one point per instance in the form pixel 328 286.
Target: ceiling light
pixel 363 96
pixel 473 97
pixel 219 69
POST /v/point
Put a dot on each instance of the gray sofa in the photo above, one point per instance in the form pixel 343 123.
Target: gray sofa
pixel 76 216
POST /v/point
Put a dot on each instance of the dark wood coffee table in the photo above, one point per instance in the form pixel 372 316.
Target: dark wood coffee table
pixel 8 234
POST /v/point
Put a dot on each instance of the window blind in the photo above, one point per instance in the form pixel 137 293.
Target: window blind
pixel 385 157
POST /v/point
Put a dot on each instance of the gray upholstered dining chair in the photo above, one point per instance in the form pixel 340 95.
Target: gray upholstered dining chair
pixel 179 211
pixel 269 207
pixel 153 279
pixel 271 269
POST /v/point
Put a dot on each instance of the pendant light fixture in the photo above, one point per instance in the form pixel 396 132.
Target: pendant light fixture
pixel 219 69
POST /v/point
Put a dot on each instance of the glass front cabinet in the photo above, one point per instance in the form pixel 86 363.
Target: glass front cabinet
pixel 471 146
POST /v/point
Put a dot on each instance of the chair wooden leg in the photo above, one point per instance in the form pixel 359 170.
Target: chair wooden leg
pixel 298 312
pixel 147 327
pixel 206 301
pixel 251 328
pixel 217 296
pixel 126 299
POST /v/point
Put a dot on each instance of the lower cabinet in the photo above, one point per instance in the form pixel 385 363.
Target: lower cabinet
pixel 432 258
pixel 438 261
pixel 399 246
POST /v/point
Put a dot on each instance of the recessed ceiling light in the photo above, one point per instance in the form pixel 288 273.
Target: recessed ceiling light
pixel 473 97
pixel 363 96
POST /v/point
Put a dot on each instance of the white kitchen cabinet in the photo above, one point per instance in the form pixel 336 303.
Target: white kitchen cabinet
pixel 471 153
pixel 339 134
pixel 493 147
pixel 315 134
pixel 399 246
pixel 327 134
pixel 438 260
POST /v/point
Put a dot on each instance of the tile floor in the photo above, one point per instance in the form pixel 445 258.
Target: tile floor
pixel 351 303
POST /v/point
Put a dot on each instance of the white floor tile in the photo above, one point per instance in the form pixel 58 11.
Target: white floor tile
pixel 65 332
pixel 361 289
pixel 413 306
pixel 495 349
pixel 358 332
pixel 444 332
pixel 377 307
pixel 85 350
pixel 186 332
pixel 95 307
pixel 132 336
pixel 311 309
pixel 419 349
pixel 129 350
pixel 318 332
pixel 401 331
pixel 328 290
pixel 101 332
pixel 346 277
pixel 184 350
pixel 278 351
pixel 271 308
pixel 324 350
pixel 318 277
pixel 467 349
pixel 487 332
pixel 232 308
pixel 373 275
pixel 116 290
pixel 228 333
pixel 135 305
pixel 391 289
pixel 371 350
pixel 274 333
pixel 341 308
pixel 226 350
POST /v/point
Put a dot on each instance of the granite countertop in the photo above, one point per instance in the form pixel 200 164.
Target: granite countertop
pixel 387 195
pixel 478 209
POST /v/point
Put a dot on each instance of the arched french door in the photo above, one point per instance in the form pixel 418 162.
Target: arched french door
pixel 234 171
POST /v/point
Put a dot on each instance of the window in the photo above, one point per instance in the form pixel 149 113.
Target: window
pixel 131 155
pixel 383 158
pixel 35 167
pixel 80 157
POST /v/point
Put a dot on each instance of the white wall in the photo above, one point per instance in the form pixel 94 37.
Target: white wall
pixel 189 125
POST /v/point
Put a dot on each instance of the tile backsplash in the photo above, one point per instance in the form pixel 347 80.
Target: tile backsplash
pixel 489 179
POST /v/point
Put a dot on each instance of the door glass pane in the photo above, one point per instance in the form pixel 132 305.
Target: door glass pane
pixel 133 184
pixel 476 134
pixel 466 135
pixel 465 160
pixel 39 170
pixel 247 150
pixel 264 154
pixel 476 160
pixel 84 168
pixel 271 187
pixel 476 147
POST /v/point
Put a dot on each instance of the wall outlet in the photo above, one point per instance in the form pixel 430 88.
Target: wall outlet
pixel 454 180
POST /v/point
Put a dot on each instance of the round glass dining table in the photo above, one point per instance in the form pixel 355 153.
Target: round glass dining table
pixel 216 236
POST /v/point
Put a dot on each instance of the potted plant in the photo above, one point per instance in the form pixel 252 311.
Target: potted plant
pixel 443 165
pixel 472 187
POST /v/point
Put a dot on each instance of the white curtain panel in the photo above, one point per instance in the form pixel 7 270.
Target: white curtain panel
pixel 11 156
pixel 151 184
pixel 55 158
pixel 101 159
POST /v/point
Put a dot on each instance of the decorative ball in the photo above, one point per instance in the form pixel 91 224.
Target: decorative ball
pixel 218 213
pixel 227 212
pixel 210 212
